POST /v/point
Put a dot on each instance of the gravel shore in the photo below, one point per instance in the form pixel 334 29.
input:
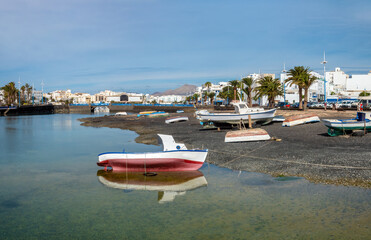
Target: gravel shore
pixel 304 150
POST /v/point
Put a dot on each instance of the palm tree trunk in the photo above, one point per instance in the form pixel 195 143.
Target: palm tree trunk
pixel 250 99
pixel 305 98
pixel 300 98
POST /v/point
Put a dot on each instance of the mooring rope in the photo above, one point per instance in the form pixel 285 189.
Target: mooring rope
pixel 285 161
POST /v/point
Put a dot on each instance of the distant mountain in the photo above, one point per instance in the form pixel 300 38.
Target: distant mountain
pixel 183 90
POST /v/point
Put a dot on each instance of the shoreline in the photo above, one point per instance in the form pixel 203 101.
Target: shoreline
pixel 305 150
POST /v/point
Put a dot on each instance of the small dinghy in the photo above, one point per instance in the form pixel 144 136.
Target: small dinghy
pixel 278 118
pixel 179 111
pixel 121 114
pixel 174 157
pixel 247 135
pixel 300 119
pixel 158 114
pixel 176 119
pixel 338 127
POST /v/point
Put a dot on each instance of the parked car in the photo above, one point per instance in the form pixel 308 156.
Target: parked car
pixel 283 105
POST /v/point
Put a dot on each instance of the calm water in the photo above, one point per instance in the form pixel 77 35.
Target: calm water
pixel 51 189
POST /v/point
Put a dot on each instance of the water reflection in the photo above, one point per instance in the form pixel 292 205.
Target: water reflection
pixel 168 184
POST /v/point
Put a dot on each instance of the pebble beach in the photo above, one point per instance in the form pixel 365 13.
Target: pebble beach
pixel 304 150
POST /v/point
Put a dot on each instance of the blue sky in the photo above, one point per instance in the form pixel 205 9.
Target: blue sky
pixel 153 45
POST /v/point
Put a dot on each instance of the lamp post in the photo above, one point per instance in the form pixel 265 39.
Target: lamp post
pixel 324 75
pixel 19 92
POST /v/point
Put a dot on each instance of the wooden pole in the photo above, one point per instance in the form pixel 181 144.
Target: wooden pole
pixel 250 124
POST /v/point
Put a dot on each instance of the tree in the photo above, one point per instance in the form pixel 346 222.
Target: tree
pixel 269 87
pixel 23 90
pixel 10 93
pixel 226 93
pixel 208 85
pixel 364 94
pixel 195 97
pixel 234 84
pixel 297 77
pixel 211 95
pixel 248 83
pixel 29 91
pixel 308 81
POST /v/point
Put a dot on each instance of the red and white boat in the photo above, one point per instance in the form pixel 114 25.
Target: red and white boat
pixel 300 119
pixel 174 157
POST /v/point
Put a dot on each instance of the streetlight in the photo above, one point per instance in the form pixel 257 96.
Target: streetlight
pixel 324 74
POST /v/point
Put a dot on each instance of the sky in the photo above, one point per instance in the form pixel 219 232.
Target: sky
pixel 153 45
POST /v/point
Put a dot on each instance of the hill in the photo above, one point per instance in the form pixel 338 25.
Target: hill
pixel 183 90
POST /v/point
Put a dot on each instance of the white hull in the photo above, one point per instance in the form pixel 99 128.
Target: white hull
pixel 233 118
pixel 248 135
pixel 304 120
pixel 176 119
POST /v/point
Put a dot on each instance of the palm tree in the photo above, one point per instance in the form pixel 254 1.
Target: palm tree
pixel 211 96
pixel 29 91
pixel 269 87
pixel 226 93
pixel 308 81
pixel 10 93
pixel 234 84
pixel 298 75
pixel 195 97
pixel 248 82
pixel 23 90
pixel 208 85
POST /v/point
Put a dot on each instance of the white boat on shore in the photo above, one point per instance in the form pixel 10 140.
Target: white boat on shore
pixel 247 135
pixel 300 119
pixel 340 126
pixel 241 114
pixel 174 157
pixel 121 114
pixel 176 119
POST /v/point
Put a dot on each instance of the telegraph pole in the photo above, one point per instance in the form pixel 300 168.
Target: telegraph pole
pixel 19 91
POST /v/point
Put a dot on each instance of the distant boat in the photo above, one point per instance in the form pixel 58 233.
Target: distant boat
pixel 174 157
pixel 179 111
pixel 176 119
pixel 300 119
pixel 242 113
pixel 158 114
pixel 101 109
pixel 121 114
pixel 247 135
pixel 168 184
pixel 340 126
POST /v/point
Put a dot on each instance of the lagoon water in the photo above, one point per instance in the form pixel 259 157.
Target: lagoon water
pixel 51 189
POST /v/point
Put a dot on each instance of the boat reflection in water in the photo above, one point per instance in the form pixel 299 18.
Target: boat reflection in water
pixel 168 184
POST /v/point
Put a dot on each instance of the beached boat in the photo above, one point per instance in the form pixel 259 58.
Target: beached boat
pixel 246 135
pixel 341 126
pixel 121 114
pixel 179 111
pixel 158 114
pixel 168 184
pixel 176 119
pixel 174 157
pixel 279 118
pixel 241 114
pixel 300 119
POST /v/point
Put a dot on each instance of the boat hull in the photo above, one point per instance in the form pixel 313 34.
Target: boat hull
pixel 234 118
pixel 248 135
pixel 347 124
pixel 300 119
pixel 182 160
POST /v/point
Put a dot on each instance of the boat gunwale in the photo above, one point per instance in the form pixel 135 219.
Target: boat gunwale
pixel 188 150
